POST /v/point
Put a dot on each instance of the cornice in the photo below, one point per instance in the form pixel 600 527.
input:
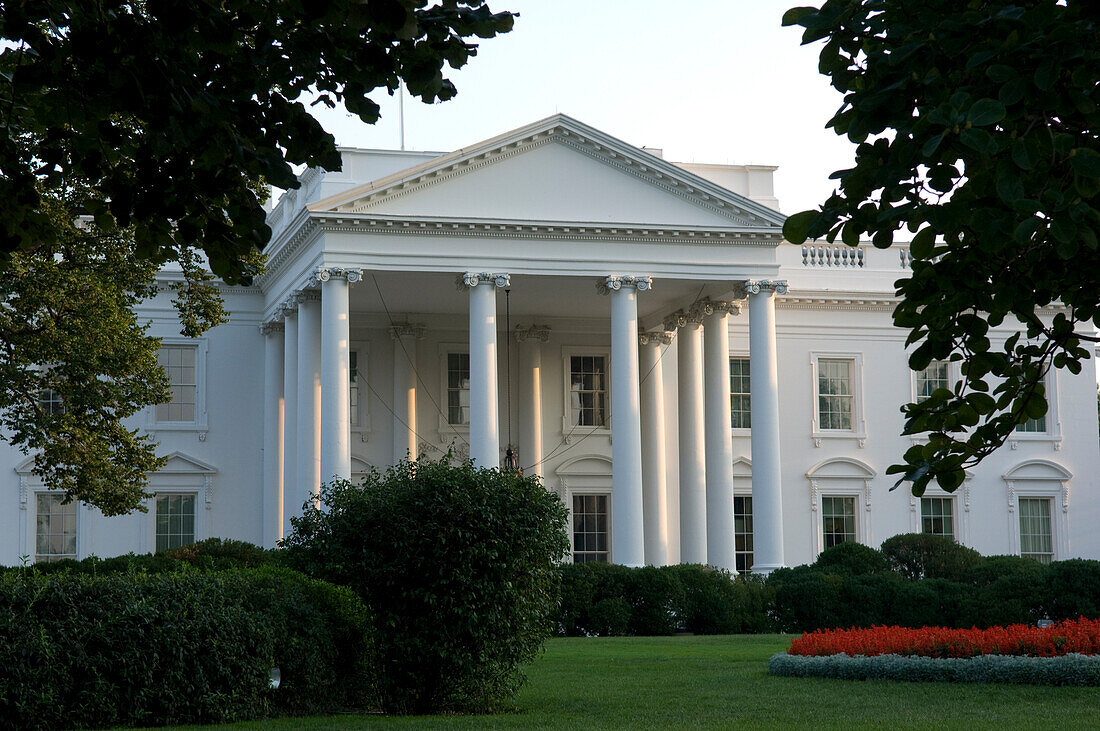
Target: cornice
pixel 846 302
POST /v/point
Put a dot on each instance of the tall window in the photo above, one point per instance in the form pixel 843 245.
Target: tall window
pixel 178 362
pixel 931 378
pixel 838 520
pixel 834 393
pixel 588 390
pixel 353 389
pixel 1033 426
pixel 175 521
pixel 936 516
pixel 1036 536
pixel 742 533
pixel 740 411
pixel 55 530
pixel 458 388
pixel 590 539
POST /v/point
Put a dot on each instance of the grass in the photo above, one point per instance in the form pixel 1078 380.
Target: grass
pixel 719 682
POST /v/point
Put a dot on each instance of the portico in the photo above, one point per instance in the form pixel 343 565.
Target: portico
pixel 362 273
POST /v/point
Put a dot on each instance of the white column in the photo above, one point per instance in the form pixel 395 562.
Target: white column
pixel 292 505
pixel 767 495
pixel 719 435
pixel 335 414
pixel 530 398
pixel 404 338
pixel 693 487
pixel 273 432
pixel 309 395
pixel 484 431
pixel 627 520
pixel 654 487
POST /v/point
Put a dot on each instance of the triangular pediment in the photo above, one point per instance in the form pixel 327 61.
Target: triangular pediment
pixel 555 170
pixel 180 463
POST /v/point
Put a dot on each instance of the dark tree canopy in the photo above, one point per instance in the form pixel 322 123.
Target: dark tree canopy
pixel 173 110
pixel 976 128
pixel 138 132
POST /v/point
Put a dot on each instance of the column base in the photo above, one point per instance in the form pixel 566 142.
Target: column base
pixel 766 569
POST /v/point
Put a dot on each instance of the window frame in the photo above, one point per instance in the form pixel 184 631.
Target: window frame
pixel 841 477
pixel 1049 501
pixel 951 502
pixel 960 507
pixel 1053 431
pixel 858 431
pixel 740 431
pixel 1040 478
pixel 199 423
pixel 78 528
pixel 575 492
pixel 448 433
pixel 569 432
pixel 751 553
pixel 951 377
pixel 195 501
pixel 854 498
pixel 361 349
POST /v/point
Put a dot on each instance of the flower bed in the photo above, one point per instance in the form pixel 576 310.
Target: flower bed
pixel 1081 636
pixel 1065 653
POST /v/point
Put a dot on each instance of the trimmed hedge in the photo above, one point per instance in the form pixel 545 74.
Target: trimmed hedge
pixel 1064 670
pixel 79 651
pixel 607 600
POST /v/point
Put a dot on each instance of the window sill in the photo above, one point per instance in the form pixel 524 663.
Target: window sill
pixel 820 436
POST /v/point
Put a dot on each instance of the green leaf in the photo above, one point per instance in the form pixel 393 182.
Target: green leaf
pixel 985 112
pixel 923 243
pixel 1085 162
pixel 794 16
pixel 795 228
pixel 979 140
pixel 1010 188
pixel 1020 155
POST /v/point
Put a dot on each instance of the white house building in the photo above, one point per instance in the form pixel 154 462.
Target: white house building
pixel 634 330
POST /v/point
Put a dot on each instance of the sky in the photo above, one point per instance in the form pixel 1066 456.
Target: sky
pixel 706 80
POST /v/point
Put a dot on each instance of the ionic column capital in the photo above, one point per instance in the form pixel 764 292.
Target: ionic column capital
pixel 756 286
pixel 399 330
pixel 350 274
pixel 306 295
pixel 539 333
pixel 615 282
pixel 654 338
pixel 469 280
pixel 272 326
pixel 288 308
pixel 707 307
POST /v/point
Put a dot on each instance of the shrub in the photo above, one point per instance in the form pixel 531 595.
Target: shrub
pixel 458 568
pixel 920 556
pixel 1008 590
pixel 851 558
pixel 223 553
pixel 1065 670
pixel 709 600
pixel 94 651
pixel 1073 589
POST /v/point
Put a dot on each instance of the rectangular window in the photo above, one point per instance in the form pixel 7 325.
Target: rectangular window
pixel 588 390
pixel 1036 536
pixel 590 538
pixel 936 516
pixel 838 520
pixel 1033 426
pixel 931 378
pixel 178 362
pixel 55 531
pixel 458 388
pixel 353 389
pixel 834 393
pixel 175 521
pixel 50 401
pixel 740 411
pixel 742 533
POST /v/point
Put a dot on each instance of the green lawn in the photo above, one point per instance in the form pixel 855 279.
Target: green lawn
pixel 718 682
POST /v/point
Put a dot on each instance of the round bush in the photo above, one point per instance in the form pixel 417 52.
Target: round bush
pixel 458 567
pixel 852 558
pixel 923 556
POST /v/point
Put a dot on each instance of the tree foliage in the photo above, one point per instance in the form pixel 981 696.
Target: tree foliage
pixel 155 124
pixel 172 110
pixel 976 129
pixel 75 362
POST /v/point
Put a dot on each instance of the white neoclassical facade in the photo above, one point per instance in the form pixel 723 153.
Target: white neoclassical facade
pixel 633 331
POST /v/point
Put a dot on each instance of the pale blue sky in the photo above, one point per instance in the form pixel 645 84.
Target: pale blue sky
pixel 707 81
